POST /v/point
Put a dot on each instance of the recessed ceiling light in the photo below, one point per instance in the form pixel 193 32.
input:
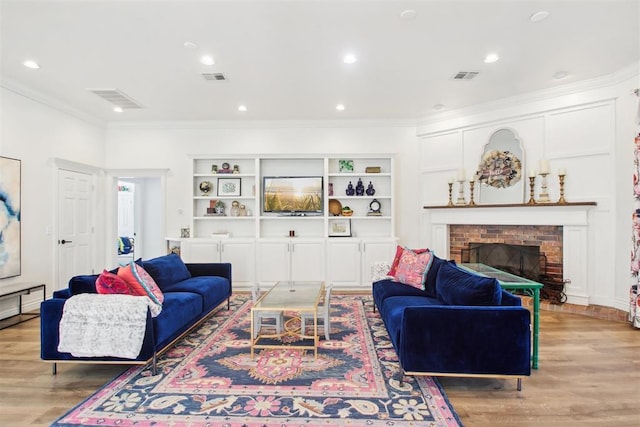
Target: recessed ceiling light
pixel 242 108
pixel 438 107
pixel 491 58
pixel 408 14
pixel 340 107
pixel 117 109
pixel 190 45
pixel 539 16
pixel 560 75
pixel 31 64
pixel 349 58
pixel 207 60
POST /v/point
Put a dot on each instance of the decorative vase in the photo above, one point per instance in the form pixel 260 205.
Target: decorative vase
pixel 350 191
pixel 370 190
pixel 235 208
pixel 360 188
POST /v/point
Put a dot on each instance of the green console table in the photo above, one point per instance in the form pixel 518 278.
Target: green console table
pixel 511 282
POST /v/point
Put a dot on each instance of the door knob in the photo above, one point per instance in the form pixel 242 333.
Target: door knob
pixel 65 241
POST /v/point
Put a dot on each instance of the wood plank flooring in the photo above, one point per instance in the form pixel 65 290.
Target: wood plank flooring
pixel 589 375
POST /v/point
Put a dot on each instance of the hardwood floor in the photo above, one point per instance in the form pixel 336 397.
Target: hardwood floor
pixel 589 375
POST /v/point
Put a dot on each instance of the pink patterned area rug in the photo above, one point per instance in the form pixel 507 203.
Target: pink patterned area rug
pixel 209 379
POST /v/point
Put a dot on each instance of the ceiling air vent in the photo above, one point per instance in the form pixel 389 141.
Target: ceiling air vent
pixel 117 98
pixel 465 75
pixel 215 77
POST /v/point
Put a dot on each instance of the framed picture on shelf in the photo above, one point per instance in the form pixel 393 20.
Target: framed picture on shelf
pixel 345 166
pixel 340 228
pixel 229 186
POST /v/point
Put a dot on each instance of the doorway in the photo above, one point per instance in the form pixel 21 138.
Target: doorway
pixel 137 229
pixel 127 222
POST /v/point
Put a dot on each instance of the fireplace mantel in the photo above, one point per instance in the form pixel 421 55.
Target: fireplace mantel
pixel 511 205
pixel 575 218
pixel 564 214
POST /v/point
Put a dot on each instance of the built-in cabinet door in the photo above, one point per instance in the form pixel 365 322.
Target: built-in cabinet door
pixel 273 261
pixel 376 251
pixel 200 251
pixel 242 256
pixel 343 262
pixel 240 253
pixel 307 260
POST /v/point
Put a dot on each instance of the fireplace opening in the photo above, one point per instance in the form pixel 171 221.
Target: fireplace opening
pixel 520 260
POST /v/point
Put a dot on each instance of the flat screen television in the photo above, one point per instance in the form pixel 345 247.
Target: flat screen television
pixel 292 194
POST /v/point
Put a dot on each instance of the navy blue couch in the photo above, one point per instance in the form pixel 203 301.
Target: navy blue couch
pixel 191 293
pixel 461 324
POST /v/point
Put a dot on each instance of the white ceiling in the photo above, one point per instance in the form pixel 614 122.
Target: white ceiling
pixel 283 59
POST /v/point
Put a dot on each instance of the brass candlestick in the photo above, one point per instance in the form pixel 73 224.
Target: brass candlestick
pixel 450 191
pixel 461 200
pixel 561 200
pixel 471 185
pixel 532 189
pixel 544 196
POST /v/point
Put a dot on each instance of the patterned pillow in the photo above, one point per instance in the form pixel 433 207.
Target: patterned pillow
pixel 141 282
pixel 399 251
pixel 413 268
pixel 109 283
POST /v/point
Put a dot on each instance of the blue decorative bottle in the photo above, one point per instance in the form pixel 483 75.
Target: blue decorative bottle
pixel 350 191
pixel 360 188
pixel 370 190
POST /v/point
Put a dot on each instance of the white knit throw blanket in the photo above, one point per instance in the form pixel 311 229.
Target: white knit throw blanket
pixel 97 325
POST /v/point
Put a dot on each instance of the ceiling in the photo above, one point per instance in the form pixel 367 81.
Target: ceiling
pixel 283 60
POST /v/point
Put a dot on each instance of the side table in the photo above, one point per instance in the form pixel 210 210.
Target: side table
pixel 19 290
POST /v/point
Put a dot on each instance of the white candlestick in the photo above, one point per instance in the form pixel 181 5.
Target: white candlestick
pixel 544 166
pixel 562 171
pixel 462 175
pixel 532 173
pixel 450 180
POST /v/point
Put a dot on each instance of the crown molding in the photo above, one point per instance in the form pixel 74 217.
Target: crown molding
pixel 48 101
pixel 263 124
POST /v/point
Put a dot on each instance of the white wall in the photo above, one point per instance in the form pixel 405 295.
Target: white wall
pixel 171 145
pixel 35 133
pixel 588 130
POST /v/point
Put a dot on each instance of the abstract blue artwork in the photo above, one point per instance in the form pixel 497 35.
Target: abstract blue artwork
pixel 9 217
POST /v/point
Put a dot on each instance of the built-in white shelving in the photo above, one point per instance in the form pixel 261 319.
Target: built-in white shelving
pixel 281 247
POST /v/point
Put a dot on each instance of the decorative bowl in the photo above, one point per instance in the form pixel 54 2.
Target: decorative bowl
pixel 347 213
pixel 335 207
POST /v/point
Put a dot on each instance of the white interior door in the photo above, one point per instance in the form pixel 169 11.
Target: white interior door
pixel 75 226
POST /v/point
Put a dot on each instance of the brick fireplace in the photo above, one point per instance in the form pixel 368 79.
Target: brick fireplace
pixel 547 237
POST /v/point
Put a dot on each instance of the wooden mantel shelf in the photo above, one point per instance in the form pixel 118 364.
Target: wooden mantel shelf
pixel 511 205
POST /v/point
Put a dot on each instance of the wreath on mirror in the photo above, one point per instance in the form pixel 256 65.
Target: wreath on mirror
pixel 499 169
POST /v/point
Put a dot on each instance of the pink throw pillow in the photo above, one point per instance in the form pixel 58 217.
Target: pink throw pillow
pixel 399 251
pixel 413 268
pixel 141 282
pixel 109 283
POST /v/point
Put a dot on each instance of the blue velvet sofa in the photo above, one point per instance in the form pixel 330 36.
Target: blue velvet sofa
pixel 461 324
pixel 191 293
